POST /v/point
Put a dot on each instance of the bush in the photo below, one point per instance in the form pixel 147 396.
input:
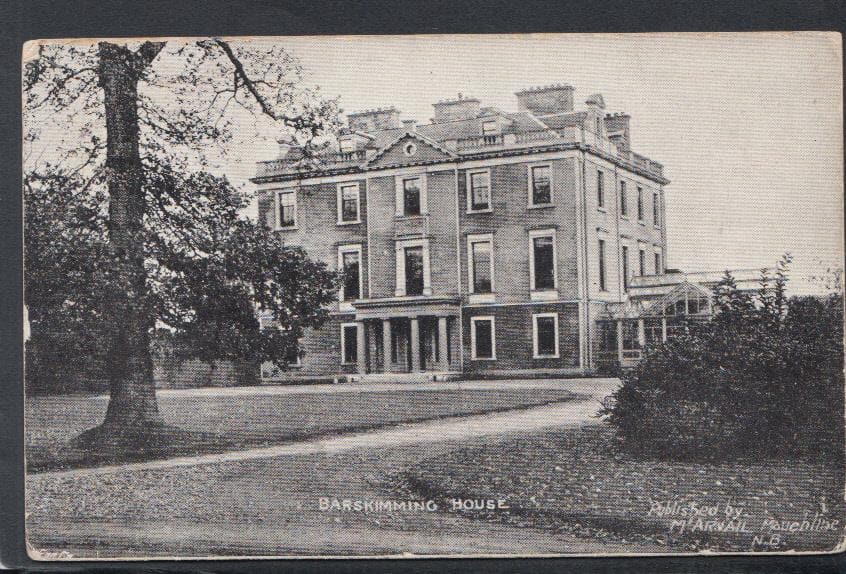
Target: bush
pixel 763 378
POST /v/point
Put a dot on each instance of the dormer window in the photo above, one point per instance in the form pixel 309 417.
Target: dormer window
pixel 490 130
pixel 347 145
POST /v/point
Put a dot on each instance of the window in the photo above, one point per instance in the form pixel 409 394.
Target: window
pixel 349 203
pixel 597 125
pixel 414 271
pixel 625 267
pixel 482 338
pixel 631 338
pixel 540 185
pixel 347 145
pixel 657 264
pixel 602 286
pixel 480 191
pixel 287 203
pixel 349 262
pixel 624 208
pixel 411 196
pixel 294 357
pixel 490 130
pixel 349 343
pixel 641 260
pixel 542 260
pixel 545 335
pixel 600 189
pixel 480 258
pixel 656 211
pixel 639 203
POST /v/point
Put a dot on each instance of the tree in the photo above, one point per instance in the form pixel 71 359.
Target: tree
pixel 764 377
pixel 207 301
pixel 142 117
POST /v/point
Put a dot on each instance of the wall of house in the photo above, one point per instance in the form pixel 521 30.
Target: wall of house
pixel 617 230
pixel 510 222
pixel 317 230
pixel 322 353
pixel 514 347
pixel 442 233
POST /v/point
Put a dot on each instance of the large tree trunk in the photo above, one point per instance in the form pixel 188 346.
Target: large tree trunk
pixel 132 402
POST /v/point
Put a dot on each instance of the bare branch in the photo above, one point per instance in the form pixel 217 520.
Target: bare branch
pixel 248 82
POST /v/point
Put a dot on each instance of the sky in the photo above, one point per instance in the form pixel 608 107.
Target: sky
pixel 748 126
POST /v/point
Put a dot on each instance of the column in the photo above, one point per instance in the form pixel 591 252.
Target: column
pixel 386 345
pixel 443 350
pixel 664 329
pixel 641 333
pixel 620 342
pixel 361 348
pixel 414 341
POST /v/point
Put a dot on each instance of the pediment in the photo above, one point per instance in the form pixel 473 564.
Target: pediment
pixel 409 149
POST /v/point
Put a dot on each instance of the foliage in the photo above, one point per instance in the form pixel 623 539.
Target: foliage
pixel 210 273
pixel 764 377
pixel 129 130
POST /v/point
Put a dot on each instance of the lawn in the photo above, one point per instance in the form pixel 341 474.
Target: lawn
pixel 577 481
pixel 221 422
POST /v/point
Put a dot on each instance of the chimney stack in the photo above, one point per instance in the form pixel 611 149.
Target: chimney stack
pixel 543 100
pixel 617 127
pixel 285 142
pixel 595 102
pixel 374 120
pixel 458 109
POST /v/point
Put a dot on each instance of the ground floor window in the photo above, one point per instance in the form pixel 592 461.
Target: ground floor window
pixel 482 338
pixel 607 336
pixel 653 330
pixel 349 343
pixel 545 335
pixel 294 357
pixel 631 339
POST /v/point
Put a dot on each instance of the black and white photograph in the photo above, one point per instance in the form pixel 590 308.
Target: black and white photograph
pixel 413 296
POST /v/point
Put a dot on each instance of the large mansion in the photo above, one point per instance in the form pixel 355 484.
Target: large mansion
pixel 485 242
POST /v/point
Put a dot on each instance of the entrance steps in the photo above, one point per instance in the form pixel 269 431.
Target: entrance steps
pixel 403 377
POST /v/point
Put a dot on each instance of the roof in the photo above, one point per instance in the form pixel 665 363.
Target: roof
pixel 456 138
pixel 565 120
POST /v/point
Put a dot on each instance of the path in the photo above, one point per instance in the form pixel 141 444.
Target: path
pixel 265 502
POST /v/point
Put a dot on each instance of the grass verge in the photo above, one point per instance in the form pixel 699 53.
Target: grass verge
pixel 219 423
pixel 578 481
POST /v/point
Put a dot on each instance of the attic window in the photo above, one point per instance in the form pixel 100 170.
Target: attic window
pixel 347 145
pixel 490 129
pixel 410 148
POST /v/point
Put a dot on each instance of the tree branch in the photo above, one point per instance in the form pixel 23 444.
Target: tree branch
pixel 266 108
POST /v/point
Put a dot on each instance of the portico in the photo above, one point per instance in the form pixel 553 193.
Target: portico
pixel 408 335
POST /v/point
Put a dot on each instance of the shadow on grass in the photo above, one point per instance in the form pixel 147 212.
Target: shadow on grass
pixel 173 442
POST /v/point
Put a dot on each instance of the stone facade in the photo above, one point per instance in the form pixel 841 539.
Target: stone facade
pixel 540 214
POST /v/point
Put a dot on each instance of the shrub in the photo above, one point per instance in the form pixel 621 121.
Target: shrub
pixel 764 377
